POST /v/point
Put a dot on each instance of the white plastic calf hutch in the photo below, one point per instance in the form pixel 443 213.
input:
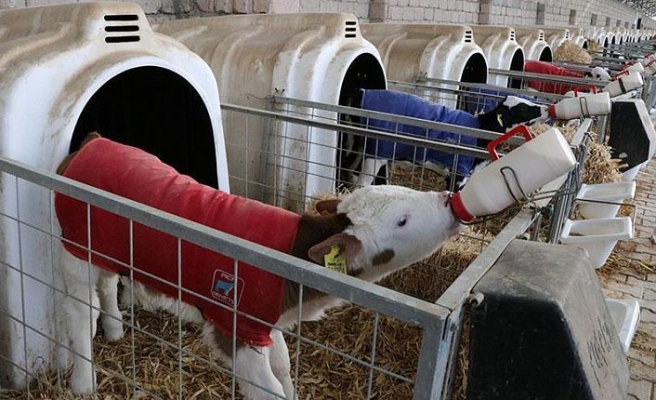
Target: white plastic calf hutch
pixel 556 36
pixel 533 43
pixel 65 71
pixel 620 35
pixel 315 57
pixel 411 52
pixel 595 33
pixel 501 51
pixel 576 36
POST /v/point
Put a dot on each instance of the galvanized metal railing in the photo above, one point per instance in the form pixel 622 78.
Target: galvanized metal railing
pixel 429 317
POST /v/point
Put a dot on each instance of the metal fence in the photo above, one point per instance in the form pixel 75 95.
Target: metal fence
pixel 429 318
pixel 407 343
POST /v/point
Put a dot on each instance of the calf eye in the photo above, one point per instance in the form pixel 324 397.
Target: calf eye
pixel 402 221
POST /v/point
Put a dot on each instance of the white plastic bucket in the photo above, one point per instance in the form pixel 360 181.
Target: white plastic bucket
pixel 630 174
pixel 595 199
pixel 625 314
pixel 597 236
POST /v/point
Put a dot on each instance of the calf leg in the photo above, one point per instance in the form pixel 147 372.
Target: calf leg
pixel 110 318
pixel 370 168
pixel 255 375
pixel 81 317
pixel 280 363
pixel 252 364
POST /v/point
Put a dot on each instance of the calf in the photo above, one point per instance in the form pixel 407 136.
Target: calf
pixel 507 113
pixel 377 230
pixel 541 67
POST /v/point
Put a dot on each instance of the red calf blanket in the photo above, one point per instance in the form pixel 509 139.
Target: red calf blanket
pixel 137 175
pixel 541 67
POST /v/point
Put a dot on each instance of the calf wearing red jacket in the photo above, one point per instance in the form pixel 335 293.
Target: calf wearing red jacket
pixel 541 67
pixel 375 230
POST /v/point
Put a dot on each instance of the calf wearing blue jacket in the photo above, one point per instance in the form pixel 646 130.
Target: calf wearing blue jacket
pixel 508 113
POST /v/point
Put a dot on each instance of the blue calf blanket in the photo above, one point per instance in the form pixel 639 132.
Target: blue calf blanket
pixel 409 105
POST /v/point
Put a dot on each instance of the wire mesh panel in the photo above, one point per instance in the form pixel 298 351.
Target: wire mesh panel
pixel 461 259
pixel 383 347
pixel 386 345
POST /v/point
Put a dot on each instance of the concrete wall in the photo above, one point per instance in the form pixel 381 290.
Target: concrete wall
pixel 496 12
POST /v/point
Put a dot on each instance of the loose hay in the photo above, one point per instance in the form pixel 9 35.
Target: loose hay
pixel 569 51
pixel 599 166
pixel 322 375
pixel 159 370
pixel 416 177
pixel 593 45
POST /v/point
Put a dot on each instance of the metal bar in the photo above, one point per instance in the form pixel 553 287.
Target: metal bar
pixel 562 207
pixel 542 95
pixel 631 47
pixel 378 298
pixel 461 130
pixel 456 294
pixel 447 358
pixel 546 77
pixel 428 385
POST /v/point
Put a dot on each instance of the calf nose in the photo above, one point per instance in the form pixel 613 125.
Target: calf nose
pixel 544 112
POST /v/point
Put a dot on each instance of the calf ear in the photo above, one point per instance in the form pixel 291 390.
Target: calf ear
pixel 89 137
pixel 349 247
pixel 325 207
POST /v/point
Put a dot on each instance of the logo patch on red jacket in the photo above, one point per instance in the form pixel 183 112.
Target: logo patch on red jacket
pixel 223 288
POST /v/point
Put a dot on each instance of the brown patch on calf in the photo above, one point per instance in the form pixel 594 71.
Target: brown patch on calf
pixel 67 160
pixel 349 246
pixel 312 229
pixel 383 257
pixel 224 342
pixel 326 207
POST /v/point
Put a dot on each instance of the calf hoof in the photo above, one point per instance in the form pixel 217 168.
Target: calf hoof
pixel 112 328
pixel 113 334
pixel 82 384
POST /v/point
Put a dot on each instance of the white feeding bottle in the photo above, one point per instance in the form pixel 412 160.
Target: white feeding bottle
pixel 582 106
pixel 624 83
pixel 633 67
pixel 521 172
pixel 650 64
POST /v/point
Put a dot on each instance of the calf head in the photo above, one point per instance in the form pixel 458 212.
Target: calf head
pixel 513 111
pixel 599 73
pixel 390 228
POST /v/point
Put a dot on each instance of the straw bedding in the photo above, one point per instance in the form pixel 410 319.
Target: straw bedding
pixel 593 45
pixel 569 51
pixel 160 370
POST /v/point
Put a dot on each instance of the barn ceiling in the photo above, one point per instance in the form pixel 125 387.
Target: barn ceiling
pixel 646 6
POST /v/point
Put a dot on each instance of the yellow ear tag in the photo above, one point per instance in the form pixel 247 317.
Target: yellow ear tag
pixel 499 120
pixel 334 260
